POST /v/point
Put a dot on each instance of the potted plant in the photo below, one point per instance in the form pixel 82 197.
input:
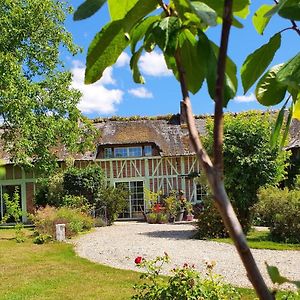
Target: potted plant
pixel 189 211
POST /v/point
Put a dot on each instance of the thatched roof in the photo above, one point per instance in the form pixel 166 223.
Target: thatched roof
pixel 166 132
pixel 170 137
pixel 294 141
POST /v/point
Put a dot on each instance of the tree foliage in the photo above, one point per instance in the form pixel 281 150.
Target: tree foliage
pixel 249 161
pixel 37 104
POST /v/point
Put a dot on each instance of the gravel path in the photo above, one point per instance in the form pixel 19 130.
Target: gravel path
pixel 120 244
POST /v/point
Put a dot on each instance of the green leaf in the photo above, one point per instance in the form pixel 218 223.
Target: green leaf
pixel 192 60
pixel 141 9
pixel 243 13
pixel 118 9
pixel 87 9
pixel 236 23
pixel 259 20
pixel 277 128
pixel 218 6
pixel 275 8
pixel 290 10
pixel 182 7
pixel 104 50
pixel 290 73
pixel 296 108
pixel 275 275
pixel 268 90
pixel 256 63
pixel 138 32
pixel 166 33
pixel 137 77
pixel 287 127
pixel 206 14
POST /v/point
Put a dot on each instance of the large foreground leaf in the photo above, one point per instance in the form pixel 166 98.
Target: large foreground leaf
pixel 259 20
pixel 256 63
pixel 87 9
pixel 268 90
pixel 104 50
pixel 290 10
pixel 290 73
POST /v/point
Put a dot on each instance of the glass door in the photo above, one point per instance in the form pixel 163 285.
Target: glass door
pixel 135 204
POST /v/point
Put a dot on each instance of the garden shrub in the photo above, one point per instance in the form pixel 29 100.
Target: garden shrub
pixel 185 283
pixel 249 161
pixel 279 209
pixel 113 201
pixel 210 224
pixel 46 218
pixel 86 182
pixel 50 190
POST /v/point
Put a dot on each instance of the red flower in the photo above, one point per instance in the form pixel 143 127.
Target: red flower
pixel 138 260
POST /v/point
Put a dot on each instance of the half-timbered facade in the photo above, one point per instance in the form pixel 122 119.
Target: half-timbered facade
pixel 141 154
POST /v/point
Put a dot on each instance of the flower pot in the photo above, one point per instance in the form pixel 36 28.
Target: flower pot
pixel 190 217
pixel 179 216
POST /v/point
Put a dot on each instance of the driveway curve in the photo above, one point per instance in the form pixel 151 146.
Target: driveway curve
pixel 118 245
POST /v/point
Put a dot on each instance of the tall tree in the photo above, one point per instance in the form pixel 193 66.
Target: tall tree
pixel 178 28
pixel 37 104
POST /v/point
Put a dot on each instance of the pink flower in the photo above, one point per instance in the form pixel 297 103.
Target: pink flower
pixel 138 260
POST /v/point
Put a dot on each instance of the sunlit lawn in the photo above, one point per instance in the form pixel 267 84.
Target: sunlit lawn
pixel 53 271
pixel 261 240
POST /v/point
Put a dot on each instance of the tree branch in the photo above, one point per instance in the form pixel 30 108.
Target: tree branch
pixel 212 173
pixel 219 95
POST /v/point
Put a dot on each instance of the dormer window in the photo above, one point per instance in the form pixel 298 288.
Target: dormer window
pixel 148 150
pixel 131 151
pixel 128 152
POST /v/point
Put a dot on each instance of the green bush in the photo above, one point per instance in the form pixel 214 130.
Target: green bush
pixel 76 221
pixel 86 182
pixel 210 224
pixel 185 283
pixel 74 201
pixel 279 209
pixel 113 201
pixel 249 161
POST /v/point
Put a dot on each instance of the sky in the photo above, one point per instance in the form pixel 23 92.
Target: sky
pixel 117 95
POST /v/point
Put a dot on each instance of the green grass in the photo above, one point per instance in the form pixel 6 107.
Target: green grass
pixel 261 240
pixel 53 271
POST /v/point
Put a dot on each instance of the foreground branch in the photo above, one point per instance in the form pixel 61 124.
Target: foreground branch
pixel 213 171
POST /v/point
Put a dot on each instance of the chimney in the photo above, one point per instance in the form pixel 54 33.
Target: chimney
pixel 183 117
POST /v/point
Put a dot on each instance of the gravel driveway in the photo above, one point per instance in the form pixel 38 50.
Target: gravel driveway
pixel 120 244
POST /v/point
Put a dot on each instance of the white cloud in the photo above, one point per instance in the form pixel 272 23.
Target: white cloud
pixel 123 60
pixel 96 98
pixel 153 64
pixel 244 98
pixel 140 92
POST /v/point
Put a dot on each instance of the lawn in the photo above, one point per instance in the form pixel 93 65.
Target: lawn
pixel 261 240
pixel 53 271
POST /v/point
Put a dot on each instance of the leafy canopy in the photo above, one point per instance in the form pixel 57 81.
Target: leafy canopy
pixel 180 27
pixel 37 104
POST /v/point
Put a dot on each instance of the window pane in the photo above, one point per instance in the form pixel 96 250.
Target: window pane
pixel 201 192
pixel 135 151
pixel 120 152
pixel 108 153
pixel 148 151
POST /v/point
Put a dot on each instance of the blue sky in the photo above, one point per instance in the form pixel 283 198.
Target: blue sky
pixel 117 94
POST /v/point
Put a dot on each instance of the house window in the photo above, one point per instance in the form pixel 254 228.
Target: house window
pixel 108 153
pixel 128 152
pixel 120 152
pixel 134 151
pixel 148 150
pixel 201 192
